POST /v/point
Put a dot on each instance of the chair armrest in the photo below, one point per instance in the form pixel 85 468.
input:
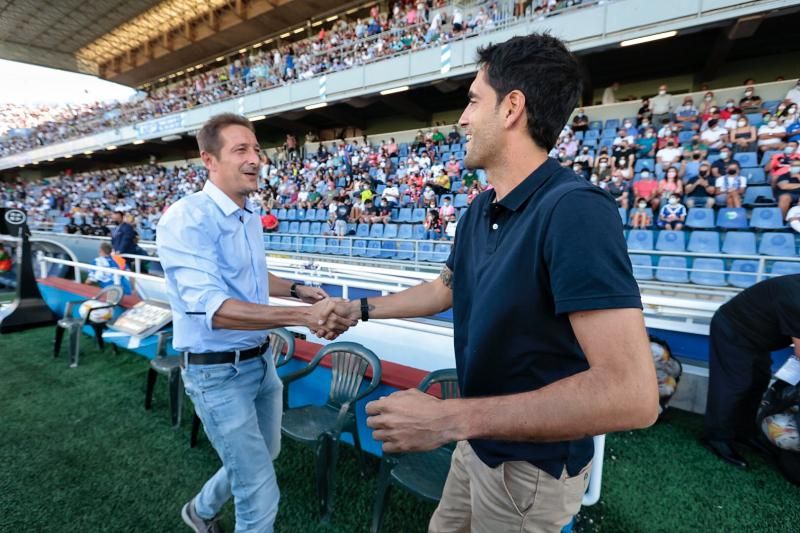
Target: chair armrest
pixel 70 305
pixel 161 344
pixel 294 376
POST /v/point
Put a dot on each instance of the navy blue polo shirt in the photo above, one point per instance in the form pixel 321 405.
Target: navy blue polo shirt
pixel 552 246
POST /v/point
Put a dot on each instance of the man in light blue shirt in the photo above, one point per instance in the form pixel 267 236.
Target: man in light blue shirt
pixel 210 245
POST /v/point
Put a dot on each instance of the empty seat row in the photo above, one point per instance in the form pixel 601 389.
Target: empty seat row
pixel 705 270
pixel 733 243
pixel 383 249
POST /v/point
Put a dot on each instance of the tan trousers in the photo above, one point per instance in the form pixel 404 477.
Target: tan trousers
pixel 515 496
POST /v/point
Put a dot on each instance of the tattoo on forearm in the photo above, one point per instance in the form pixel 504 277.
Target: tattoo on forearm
pixel 447 277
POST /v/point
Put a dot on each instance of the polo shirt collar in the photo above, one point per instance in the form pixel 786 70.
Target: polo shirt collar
pixel 520 194
pixel 225 204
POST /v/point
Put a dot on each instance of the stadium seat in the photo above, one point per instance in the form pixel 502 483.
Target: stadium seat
pixel 644 163
pixel 359 247
pixel 755 176
pixel 267 243
pixel 425 250
pixel 623 215
pixel 418 215
pixel 766 218
pixel 404 215
pixel 746 159
pixel 441 252
pixel 388 249
pixel 275 242
pixel 642 267
pixel 362 230
pixel 332 246
pixel 608 133
pixel 390 231
pixel 755 119
pixel 739 243
pixel 291 214
pixel 460 201
pixel 732 218
pixel 315 228
pixel 405 251
pixel 419 232
pixel 305 227
pixel 320 246
pixel 671 241
pixel 294 227
pixel 308 245
pixel 783 268
pixel 766 156
pixel 376 231
pixel 283 227
pixel 595 125
pixel 301 214
pixel 281 214
pixel 700 274
pixel 647 210
pixel 374 249
pixel 705 242
pixel 756 195
pixel 287 243
pixel 700 218
pixel 640 239
pixel 770 105
pixel 777 244
pixel 590 135
pixel 672 269
pixel 405 231
pixel 612 124
pixel 685 137
pixel 322 214
pixel 743 273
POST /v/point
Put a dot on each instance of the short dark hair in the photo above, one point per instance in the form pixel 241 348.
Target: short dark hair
pixel 545 71
pixel 208 137
pixel 106 247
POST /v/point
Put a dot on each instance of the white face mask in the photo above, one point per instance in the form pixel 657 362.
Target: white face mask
pixel 645 174
pixel 748 93
pixel 662 91
pixel 593 179
pixel 772 123
pixel 673 201
pixel 642 205
pixel 724 155
pixel 742 123
pixel 795 170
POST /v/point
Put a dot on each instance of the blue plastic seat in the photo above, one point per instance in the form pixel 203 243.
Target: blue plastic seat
pixel 784 268
pixel 743 273
pixel 305 227
pixel 590 135
pixel 281 214
pixel 623 215
pixel 612 124
pixel 640 239
pixel 671 241
pixel 275 242
pixel 756 195
pixel 301 214
pixel 287 243
pixel 405 231
pixel 766 156
pixel 362 230
pixel 320 246
pixel 672 269
pixel 739 243
pixel 746 159
pixel 777 244
pixel 374 249
pixel 322 214
pixel 404 215
pixel 376 231
pixel 390 231
pixel 308 245
pixel 754 175
pixel 755 119
pixel 685 137
pixel 700 218
pixel 315 228
pixel 642 267
pixel 766 218
pixel 425 251
pixel 644 163
pixel 732 218
pixel 283 227
pixel 418 215
pixel 441 252
pixel 291 214
pixel 294 227
pixel 332 246
pixel 388 249
pixel 405 251
pixel 460 201
pixel 704 242
pixel 419 232
pixel 359 247
pixel 595 125
pixel 715 277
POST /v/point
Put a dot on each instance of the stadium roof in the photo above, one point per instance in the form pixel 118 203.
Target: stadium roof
pixel 132 41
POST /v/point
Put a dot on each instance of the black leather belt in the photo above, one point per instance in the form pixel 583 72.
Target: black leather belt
pixel 218 358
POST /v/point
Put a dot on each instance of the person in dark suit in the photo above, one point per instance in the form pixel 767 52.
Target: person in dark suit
pixel 123 238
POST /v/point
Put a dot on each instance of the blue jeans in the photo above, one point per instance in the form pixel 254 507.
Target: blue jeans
pixel 241 408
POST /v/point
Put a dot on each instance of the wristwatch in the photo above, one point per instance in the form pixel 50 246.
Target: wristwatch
pixel 364 310
pixel 293 291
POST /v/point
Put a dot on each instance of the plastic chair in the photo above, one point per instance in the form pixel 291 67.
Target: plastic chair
pixel 640 239
pixel 742 273
pixel 756 195
pixel 642 267
pixel 766 217
pixel 700 218
pixel 321 426
pixel 422 474
pixel 404 215
pixel 405 251
pixel 390 231
pixel 623 215
pixel 418 215
pixel 732 218
pixel 746 159
pixel 111 296
pixel 784 268
pixel 441 252
pixel 704 242
pixel 671 241
pixel 755 176
pixel 419 232
pixel 170 367
pixel 362 230
pixel 672 269
pixel 777 244
pixel 376 232
pixel 405 231
pixel 739 243
pixel 706 271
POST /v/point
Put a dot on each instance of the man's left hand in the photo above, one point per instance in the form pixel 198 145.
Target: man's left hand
pixel 310 295
pixel 411 421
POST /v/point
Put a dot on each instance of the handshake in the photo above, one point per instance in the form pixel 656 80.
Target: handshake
pixel 330 317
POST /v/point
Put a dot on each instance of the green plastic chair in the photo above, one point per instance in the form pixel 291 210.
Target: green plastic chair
pixel 321 426
pixel 423 473
pixel 281 346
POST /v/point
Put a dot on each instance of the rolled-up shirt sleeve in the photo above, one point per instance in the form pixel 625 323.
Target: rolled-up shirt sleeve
pixel 189 259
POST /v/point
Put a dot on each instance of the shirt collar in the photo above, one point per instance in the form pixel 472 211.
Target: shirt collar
pixel 520 194
pixel 225 204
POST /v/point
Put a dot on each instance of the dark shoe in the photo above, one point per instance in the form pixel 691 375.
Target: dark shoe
pixel 757 445
pixel 725 451
pixel 198 524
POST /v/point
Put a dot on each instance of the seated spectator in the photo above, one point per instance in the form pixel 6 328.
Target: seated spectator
pixel 623 135
pixel 687 112
pixel 750 102
pixel 695 146
pixel 619 189
pixel 668 131
pixel 743 136
pixel 793 95
pixel 644 113
pixel 788 188
pixel 437 137
pixel 106 260
pixel 779 163
pixel 269 222
pixel 719 167
pixel 453 168
pixel 579 169
pixel 580 122
pixel 672 214
pixel 708 103
pixel 699 190
pixel 447 208
pixel 715 136
pixel 391 195
pixel 647 189
pixel 585 160
pixel 474 191
pixel 454 137
pixel 646 145
pixel 730 188
pixel 669 155
pixel 793 217
pixel 640 218
pixel 671 184
pixel 771 135
pixel 450 228
pixel 441 182
pixel 792 126
pixel 433 225
pixel 372 214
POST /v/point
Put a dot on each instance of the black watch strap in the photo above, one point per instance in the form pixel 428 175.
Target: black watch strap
pixel 293 291
pixel 364 310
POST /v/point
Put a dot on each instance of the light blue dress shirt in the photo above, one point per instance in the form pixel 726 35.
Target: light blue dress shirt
pixel 211 250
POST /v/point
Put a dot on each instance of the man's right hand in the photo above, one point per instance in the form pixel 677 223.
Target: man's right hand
pixel 326 321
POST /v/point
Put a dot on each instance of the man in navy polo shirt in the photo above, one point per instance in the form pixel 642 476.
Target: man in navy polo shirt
pixel 550 341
